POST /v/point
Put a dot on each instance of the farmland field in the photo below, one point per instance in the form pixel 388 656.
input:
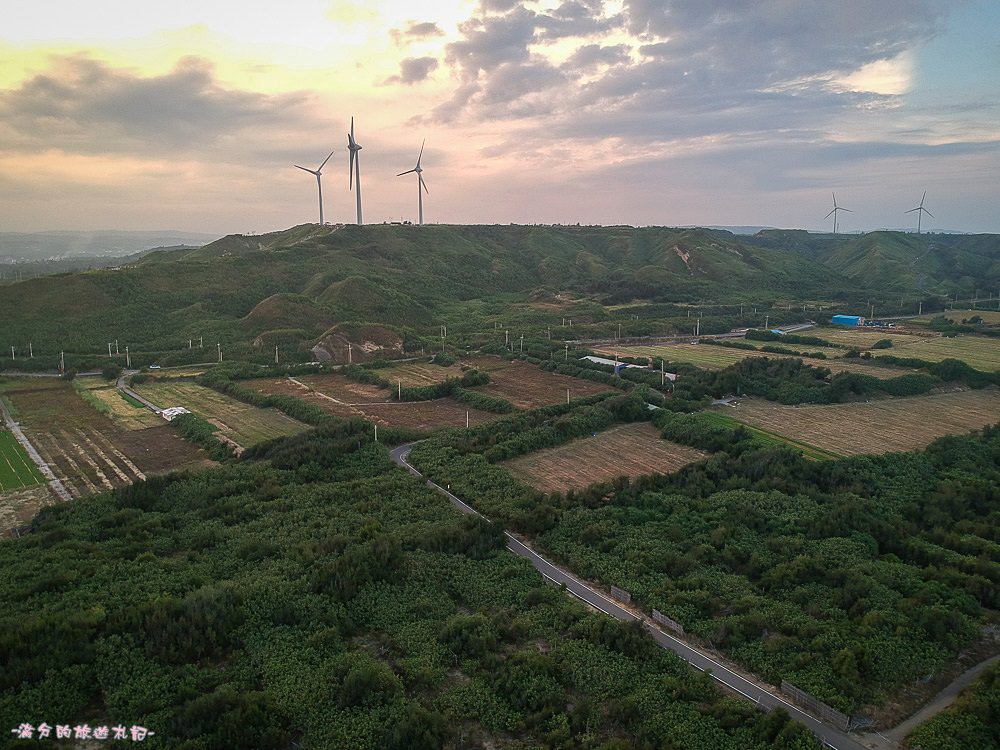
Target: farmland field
pixel 108 400
pixel 990 317
pixel 243 423
pixel 341 397
pixel 419 373
pixel 718 357
pixel 528 387
pixel 84 448
pixel 16 470
pixel 18 507
pixel 976 351
pixel 863 338
pixel 631 450
pixel 900 424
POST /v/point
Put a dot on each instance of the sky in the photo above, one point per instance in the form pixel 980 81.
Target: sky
pixel 190 115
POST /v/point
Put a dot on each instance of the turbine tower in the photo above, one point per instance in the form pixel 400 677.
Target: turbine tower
pixel 920 210
pixel 420 183
pixel 834 212
pixel 354 168
pixel 319 182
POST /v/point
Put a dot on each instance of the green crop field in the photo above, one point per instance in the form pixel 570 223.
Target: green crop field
pixel 717 357
pixel 976 351
pixel 245 424
pixel 16 469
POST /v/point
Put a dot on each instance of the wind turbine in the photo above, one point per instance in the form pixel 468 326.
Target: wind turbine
pixel 319 182
pixel 834 212
pixel 420 183
pixel 920 210
pixel 355 165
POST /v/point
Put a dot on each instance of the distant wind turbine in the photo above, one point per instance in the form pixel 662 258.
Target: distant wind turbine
pixel 834 212
pixel 920 210
pixel 354 168
pixel 319 182
pixel 420 183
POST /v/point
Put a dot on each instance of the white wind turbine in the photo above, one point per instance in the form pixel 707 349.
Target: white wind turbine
pixel 420 183
pixel 319 182
pixel 920 210
pixel 834 212
pixel 354 167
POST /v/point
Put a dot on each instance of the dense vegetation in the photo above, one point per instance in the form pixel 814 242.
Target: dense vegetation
pixel 312 595
pixel 972 721
pixel 850 578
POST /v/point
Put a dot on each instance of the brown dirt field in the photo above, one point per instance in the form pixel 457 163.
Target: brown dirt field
pixel 18 507
pixel 632 450
pixel 899 424
pixel 425 415
pixel 88 451
pixel 343 389
pixel 287 387
pixel 420 373
pixel 528 387
pixel 330 393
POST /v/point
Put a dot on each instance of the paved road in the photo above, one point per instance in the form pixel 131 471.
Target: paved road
pixel 141 399
pixel 57 486
pixel 830 736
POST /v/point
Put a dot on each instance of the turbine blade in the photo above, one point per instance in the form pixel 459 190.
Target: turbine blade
pixel 421 151
pixel 830 214
pixel 324 162
pixel 928 213
pixel 350 172
pixel 352 127
pixel 922 198
pixel 406 172
pixel 834 199
pixel 912 210
pixel 304 169
pixel 849 210
pixel 424 184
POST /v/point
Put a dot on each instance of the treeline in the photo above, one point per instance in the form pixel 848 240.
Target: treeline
pixel 202 433
pixel 325 598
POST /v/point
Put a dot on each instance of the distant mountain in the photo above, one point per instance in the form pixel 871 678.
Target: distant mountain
pixel 57 245
pixel 936 263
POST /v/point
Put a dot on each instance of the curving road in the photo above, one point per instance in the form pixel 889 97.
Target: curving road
pixel 828 735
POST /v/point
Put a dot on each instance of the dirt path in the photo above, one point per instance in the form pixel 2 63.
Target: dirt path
pixel 939 702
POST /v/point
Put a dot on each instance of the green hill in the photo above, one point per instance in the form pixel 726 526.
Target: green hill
pixel 900 261
pixel 293 285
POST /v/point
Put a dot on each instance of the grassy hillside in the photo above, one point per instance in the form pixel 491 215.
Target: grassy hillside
pixel 900 261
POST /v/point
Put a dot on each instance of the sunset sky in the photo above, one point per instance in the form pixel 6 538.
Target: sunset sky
pixel 116 114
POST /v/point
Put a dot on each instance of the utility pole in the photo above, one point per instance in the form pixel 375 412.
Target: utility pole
pixel 117 353
pixel 663 375
pixel 766 318
pixel 350 354
pixel 567 353
pixel 218 346
pixel 549 331
pixel 522 343
pixel 62 361
pixel 400 394
pixel 109 350
pixel 128 359
pixel 619 330
pixel 31 353
pixel 275 354
pixel 12 351
pixel 506 337
pixel 201 342
pixel 466 419
pixel 376 432
pixel 920 307
pixel 697 327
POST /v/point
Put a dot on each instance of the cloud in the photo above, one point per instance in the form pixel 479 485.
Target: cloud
pixel 85 105
pixel 735 66
pixel 416 30
pixel 413 70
